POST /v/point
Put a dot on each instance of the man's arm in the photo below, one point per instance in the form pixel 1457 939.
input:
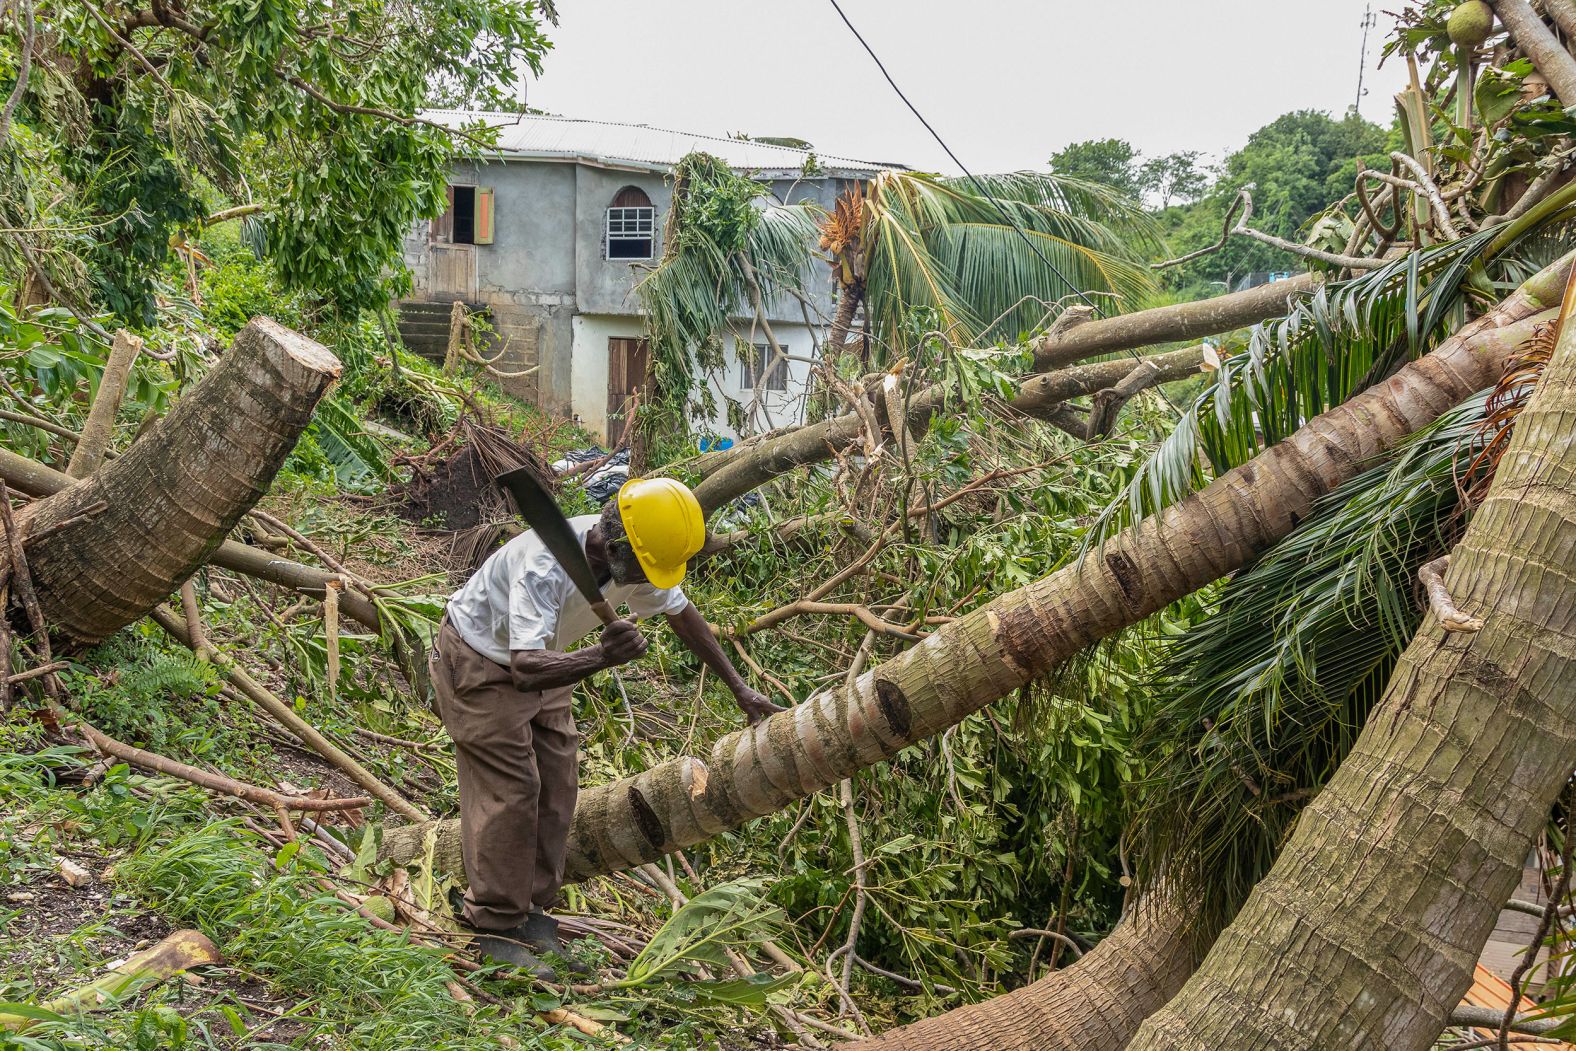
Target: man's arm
pixel 691 627
pixel 621 643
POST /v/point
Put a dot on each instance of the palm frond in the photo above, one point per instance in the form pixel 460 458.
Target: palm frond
pixel 1331 345
pixel 1259 703
pixel 356 456
pixel 951 248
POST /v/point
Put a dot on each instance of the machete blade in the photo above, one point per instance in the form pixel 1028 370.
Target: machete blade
pixel 542 513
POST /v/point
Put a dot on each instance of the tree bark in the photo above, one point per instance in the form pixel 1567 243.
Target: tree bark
pixel 1365 932
pixel 1094 1005
pixel 969 663
pixel 1540 45
pixel 178 490
pixel 36 479
pixel 1041 396
pixel 1044 397
pixel 93 445
pixel 1207 317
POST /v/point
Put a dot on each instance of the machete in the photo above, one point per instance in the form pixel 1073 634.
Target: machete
pixel 542 512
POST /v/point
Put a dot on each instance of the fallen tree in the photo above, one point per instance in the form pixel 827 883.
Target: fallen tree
pixel 729 474
pixel 1366 930
pixel 1095 1004
pixel 978 658
pixel 1170 324
pixel 173 496
pixel 36 479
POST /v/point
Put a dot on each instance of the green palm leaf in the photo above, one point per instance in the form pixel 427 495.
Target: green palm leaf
pixel 949 248
pixel 1258 704
pixel 1331 345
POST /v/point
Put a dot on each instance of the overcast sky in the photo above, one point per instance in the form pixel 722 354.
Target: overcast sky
pixel 1005 82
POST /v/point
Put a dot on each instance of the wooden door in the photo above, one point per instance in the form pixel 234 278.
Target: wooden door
pixel 627 360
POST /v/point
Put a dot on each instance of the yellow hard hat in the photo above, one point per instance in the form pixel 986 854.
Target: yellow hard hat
pixel 665 526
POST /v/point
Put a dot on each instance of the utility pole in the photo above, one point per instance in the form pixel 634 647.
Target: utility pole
pixel 1362 66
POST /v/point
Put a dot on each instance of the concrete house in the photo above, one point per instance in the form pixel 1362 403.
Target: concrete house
pixel 551 236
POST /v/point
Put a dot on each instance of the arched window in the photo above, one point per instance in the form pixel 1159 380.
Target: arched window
pixel 631 225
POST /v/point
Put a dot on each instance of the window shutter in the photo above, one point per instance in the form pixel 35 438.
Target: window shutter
pixel 484 215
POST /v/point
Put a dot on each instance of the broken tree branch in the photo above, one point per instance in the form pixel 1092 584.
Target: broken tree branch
pixel 286 715
pixel 213 782
pixel 1244 205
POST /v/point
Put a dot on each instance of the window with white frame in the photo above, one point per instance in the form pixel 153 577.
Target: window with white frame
pixel 631 225
pixel 752 363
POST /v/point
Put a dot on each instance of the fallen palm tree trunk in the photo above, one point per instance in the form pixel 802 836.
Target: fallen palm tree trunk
pixel 1044 397
pixel 1097 1004
pixel 1206 317
pixel 1367 928
pixel 177 952
pixel 175 494
pixel 973 661
pixel 36 479
pixel 729 474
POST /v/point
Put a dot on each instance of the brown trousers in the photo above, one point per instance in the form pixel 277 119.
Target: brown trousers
pixel 516 754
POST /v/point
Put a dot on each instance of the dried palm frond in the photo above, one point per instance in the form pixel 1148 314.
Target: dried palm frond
pixel 1505 402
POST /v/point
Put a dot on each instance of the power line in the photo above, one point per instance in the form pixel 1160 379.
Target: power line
pixel 980 189
pixel 1011 221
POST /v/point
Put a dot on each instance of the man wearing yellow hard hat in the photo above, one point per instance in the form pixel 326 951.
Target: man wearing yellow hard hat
pixel 503 674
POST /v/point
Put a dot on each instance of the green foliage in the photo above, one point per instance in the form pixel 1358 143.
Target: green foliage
pixel 726 918
pixel 1332 345
pixel 944 246
pixel 1109 162
pixel 1259 704
pixel 303 105
pixel 1296 166
pixel 151 697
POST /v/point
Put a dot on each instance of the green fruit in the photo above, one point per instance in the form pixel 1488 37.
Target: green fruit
pixel 1470 23
pixel 379 906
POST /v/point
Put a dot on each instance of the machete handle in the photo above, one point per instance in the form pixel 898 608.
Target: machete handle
pixel 605 611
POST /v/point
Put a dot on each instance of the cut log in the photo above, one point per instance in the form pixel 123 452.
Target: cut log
pixel 969 663
pixel 36 479
pixel 178 490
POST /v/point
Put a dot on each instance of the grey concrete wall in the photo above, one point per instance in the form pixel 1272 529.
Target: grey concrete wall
pixel 603 285
pixel 541 270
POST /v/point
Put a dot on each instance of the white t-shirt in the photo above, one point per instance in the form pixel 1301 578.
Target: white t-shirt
pixel 521 599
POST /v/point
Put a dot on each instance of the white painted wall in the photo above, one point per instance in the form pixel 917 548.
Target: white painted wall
pixel 588 374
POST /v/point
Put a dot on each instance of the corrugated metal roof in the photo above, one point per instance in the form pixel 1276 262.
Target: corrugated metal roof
pixel 640 145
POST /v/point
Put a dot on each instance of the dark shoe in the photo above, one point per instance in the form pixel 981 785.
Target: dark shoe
pixel 540 932
pixel 506 946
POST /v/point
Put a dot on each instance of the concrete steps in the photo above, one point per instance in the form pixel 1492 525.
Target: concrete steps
pixel 424 326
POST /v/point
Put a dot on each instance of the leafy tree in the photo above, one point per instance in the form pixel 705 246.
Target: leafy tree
pixel 1109 162
pixel 1295 167
pixel 1174 177
pixel 137 123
